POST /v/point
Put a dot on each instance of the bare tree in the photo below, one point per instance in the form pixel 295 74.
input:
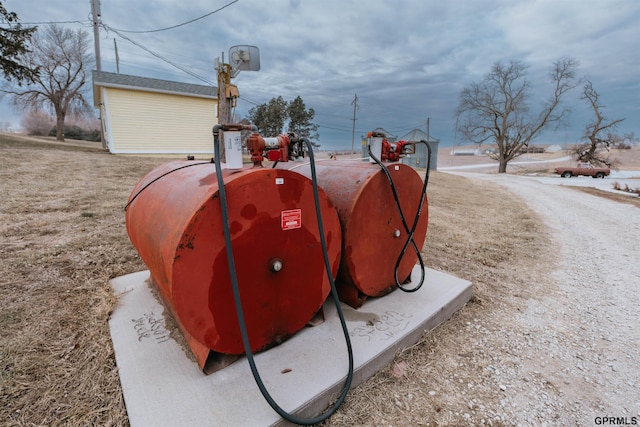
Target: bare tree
pixel 497 108
pixel 625 141
pixel 599 134
pixel 62 58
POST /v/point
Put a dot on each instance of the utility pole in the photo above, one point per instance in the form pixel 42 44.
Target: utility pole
pixel 428 142
pixel 224 79
pixel 353 130
pixel 115 46
pixel 95 13
pixel 224 110
pixel 241 58
pixel 428 138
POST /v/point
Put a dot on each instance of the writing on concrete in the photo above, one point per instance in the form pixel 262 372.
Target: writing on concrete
pixel 151 326
pixel 386 326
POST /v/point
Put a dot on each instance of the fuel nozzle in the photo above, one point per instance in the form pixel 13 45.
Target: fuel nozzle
pixel 296 146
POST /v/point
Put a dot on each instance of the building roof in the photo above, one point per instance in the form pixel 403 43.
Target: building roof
pixel 124 81
pixel 387 134
pixel 417 135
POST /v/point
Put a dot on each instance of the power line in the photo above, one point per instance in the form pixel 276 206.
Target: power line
pixel 134 52
pixel 334 128
pixel 157 55
pixel 54 22
pixel 178 25
pixel 249 101
pixel 353 130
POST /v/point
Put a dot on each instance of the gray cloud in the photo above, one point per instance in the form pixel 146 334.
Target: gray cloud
pixel 406 60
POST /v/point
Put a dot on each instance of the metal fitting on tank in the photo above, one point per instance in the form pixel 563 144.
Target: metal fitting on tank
pixel 276 265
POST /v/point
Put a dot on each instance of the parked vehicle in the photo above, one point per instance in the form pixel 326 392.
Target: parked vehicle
pixel 586 169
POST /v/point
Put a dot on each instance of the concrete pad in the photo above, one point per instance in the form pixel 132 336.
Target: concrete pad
pixel 163 387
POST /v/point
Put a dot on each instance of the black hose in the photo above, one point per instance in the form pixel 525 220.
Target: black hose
pixel 410 231
pixel 238 304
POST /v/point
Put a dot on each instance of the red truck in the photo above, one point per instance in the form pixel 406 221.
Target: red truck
pixel 586 169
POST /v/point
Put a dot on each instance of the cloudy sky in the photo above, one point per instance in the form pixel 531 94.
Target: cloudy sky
pixel 406 60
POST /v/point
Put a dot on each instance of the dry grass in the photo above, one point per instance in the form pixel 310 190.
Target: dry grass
pixel 63 238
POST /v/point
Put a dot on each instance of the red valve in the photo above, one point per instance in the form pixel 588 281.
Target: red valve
pixel 277 148
pixel 391 151
pixel 256 145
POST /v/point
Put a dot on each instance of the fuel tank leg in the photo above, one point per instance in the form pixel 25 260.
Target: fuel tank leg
pixel 317 318
pixel 216 361
pixel 350 295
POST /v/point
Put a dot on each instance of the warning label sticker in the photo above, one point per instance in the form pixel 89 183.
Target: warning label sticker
pixel 291 219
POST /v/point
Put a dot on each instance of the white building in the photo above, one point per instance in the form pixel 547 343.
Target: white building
pixel 141 115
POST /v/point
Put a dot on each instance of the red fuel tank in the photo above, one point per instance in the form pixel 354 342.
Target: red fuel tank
pixel 372 230
pixel 174 221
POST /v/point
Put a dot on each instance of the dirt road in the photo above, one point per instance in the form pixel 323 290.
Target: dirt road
pixel 576 348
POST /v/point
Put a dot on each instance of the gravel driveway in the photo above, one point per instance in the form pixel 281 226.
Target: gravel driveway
pixel 576 349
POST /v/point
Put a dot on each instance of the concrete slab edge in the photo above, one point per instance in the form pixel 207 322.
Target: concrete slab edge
pixel 383 359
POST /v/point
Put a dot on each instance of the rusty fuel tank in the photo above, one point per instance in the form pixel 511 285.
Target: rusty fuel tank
pixel 372 230
pixel 174 221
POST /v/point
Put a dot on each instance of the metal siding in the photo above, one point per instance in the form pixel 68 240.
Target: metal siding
pixel 419 159
pixel 145 122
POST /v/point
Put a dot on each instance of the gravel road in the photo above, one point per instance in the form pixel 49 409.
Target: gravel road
pixel 573 355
